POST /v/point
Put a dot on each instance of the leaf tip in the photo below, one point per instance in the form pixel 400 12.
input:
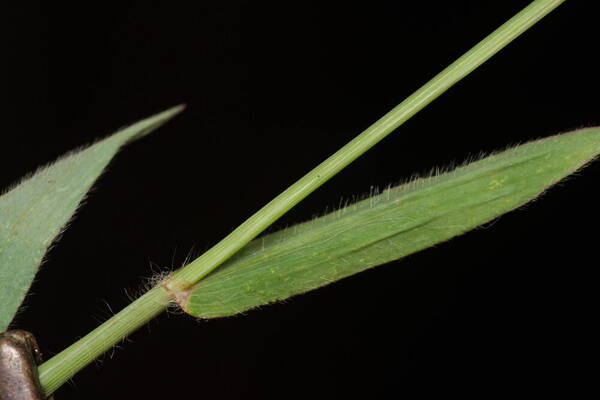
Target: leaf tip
pixel 144 127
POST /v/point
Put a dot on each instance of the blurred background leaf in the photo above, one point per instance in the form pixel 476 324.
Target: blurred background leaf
pixel 34 213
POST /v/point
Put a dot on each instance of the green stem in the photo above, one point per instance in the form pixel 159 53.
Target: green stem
pixel 60 368
pixel 64 365
pixel 262 219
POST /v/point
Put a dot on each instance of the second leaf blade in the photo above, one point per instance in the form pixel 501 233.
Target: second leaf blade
pixel 400 221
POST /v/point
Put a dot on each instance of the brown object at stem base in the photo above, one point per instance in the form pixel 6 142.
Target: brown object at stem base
pixel 19 357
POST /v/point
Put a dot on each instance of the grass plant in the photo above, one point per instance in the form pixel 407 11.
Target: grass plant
pixel 242 272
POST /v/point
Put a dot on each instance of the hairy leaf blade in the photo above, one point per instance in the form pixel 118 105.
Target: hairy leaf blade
pixel 33 213
pixel 400 221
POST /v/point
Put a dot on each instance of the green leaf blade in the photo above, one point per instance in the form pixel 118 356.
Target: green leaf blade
pixel 33 213
pixel 396 223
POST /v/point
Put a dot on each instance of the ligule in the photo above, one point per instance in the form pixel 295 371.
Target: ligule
pixel 389 226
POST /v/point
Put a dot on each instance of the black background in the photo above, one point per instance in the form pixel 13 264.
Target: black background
pixel 272 89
